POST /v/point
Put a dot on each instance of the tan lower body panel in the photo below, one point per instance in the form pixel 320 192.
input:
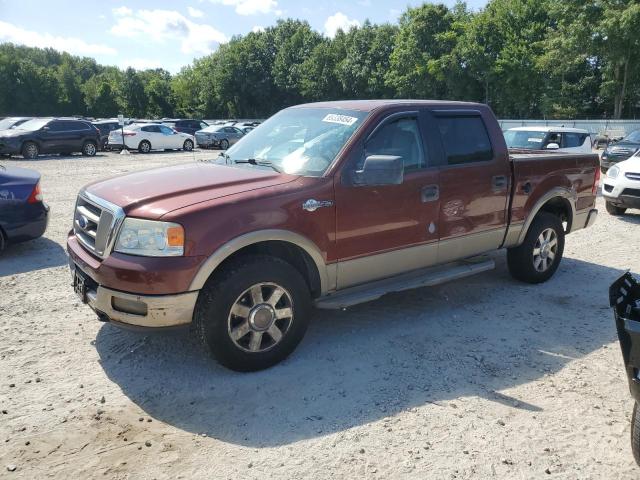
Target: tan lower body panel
pixel 469 245
pixel 154 310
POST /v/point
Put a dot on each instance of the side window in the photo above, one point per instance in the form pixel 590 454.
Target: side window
pixel 147 129
pixel 166 130
pixel 56 126
pixel 572 140
pixel 400 138
pixel 202 125
pixel 465 139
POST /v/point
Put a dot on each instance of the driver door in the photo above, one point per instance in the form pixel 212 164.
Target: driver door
pixel 386 230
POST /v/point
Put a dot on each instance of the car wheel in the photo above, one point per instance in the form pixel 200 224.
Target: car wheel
pixel 89 149
pixel 30 150
pixel 614 210
pixel 635 433
pixel 254 313
pixel 187 146
pixel 224 144
pixel 537 259
pixel 144 147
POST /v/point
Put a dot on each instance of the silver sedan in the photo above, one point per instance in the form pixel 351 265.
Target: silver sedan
pixel 218 136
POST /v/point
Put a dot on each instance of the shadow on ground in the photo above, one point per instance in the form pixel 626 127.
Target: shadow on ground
pixel 473 337
pixel 32 255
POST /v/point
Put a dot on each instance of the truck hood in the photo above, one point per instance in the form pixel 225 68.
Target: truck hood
pixel 153 193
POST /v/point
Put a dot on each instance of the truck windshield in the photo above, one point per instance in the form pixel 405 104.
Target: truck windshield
pixel 524 139
pixel 301 141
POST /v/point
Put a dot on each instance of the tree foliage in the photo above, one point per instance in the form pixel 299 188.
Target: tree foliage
pixel 525 58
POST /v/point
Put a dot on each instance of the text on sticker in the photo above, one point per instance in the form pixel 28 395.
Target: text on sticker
pixel 341 119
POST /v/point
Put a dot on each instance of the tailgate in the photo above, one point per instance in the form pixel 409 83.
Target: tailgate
pixel 624 298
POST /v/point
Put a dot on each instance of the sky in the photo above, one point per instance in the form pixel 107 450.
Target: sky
pixel 172 33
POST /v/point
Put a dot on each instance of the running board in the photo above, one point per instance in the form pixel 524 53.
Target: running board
pixel 426 277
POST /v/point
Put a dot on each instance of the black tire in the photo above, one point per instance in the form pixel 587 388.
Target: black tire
pixel 635 433
pixel 187 146
pixel 3 241
pixel 224 144
pixel 614 210
pixel 524 265
pixel 89 149
pixel 30 150
pixel 214 320
pixel 144 146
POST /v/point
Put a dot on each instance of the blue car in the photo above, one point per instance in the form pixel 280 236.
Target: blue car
pixel 23 214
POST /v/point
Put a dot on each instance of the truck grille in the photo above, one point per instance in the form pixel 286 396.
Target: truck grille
pixel 95 223
pixel 632 176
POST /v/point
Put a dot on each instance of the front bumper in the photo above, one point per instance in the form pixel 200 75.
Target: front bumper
pixel 621 192
pixel 9 148
pixel 624 298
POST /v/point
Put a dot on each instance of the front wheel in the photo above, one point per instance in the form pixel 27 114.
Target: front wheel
pixel 538 258
pixel 224 144
pixel 89 149
pixel 254 313
pixel 187 146
pixel 614 210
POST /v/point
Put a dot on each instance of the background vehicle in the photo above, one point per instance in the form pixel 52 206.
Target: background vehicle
pixel 620 150
pixel 11 122
pixel 150 136
pixel 50 135
pixel 331 204
pixel 189 126
pixel 549 138
pixel 621 186
pixel 23 214
pixel 218 136
pixel 105 127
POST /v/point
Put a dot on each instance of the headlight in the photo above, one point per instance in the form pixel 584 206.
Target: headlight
pixel 150 238
pixel 613 172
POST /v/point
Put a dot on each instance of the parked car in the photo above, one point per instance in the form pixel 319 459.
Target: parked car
pixel 50 135
pixel 105 127
pixel 562 139
pixel 624 299
pixel 218 136
pixel 329 204
pixel 12 122
pixel 621 186
pixel 621 150
pixel 23 213
pixel 145 137
pixel 189 126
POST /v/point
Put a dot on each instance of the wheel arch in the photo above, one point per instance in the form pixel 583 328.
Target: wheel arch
pixel 558 201
pixel 294 248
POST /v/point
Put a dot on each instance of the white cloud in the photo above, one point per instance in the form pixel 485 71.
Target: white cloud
pixel 11 33
pixel 195 13
pixel 122 11
pixel 163 25
pixel 249 7
pixel 257 29
pixel 339 21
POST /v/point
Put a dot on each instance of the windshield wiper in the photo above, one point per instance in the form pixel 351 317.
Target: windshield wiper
pixel 261 163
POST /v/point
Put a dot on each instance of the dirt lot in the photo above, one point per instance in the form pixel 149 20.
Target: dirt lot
pixel 480 378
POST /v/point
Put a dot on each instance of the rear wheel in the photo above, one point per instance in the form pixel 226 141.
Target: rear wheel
pixel 615 210
pixel 254 313
pixel 224 144
pixel 30 150
pixel 89 149
pixel 538 258
pixel 144 147
pixel 635 433
pixel 187 146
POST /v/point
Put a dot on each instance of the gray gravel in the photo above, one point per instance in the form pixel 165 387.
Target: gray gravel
pixel 480 378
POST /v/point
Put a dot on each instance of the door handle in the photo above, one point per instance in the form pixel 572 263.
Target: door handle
pixel 499 182
pixel 430 193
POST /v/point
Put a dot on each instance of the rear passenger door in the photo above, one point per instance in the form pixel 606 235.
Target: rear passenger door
pixel 474 186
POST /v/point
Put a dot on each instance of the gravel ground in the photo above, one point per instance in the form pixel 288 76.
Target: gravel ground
pixel 479 378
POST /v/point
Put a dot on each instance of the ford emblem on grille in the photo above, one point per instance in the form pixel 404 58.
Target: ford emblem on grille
pixel 83 222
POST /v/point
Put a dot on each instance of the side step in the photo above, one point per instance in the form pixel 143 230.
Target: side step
pixel 426 277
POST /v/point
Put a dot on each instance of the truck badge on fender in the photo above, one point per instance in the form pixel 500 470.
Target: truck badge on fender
pixel 312 204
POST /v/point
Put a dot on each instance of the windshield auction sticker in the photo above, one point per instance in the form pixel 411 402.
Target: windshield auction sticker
pixel 341 119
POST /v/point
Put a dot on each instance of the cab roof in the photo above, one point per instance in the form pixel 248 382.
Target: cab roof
pixel 370 105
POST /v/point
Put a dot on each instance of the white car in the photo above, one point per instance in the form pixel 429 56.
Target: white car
pixel 621 186
pixel 145 137
pixel 563 139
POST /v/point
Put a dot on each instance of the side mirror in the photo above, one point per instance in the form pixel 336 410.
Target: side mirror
pixel 380 170
pixel 553 146
pixel 46 127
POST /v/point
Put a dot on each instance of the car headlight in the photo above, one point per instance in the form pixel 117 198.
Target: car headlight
pixel 613 172
pixel 150 238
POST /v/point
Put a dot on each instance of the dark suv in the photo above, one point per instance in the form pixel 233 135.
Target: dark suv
pixel 186 125
pixel 50 135
pixel 105 127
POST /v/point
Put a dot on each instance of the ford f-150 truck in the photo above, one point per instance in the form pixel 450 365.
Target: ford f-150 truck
pixel 327 205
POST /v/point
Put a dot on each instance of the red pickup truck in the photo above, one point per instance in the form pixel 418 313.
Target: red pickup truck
pixel 328 205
